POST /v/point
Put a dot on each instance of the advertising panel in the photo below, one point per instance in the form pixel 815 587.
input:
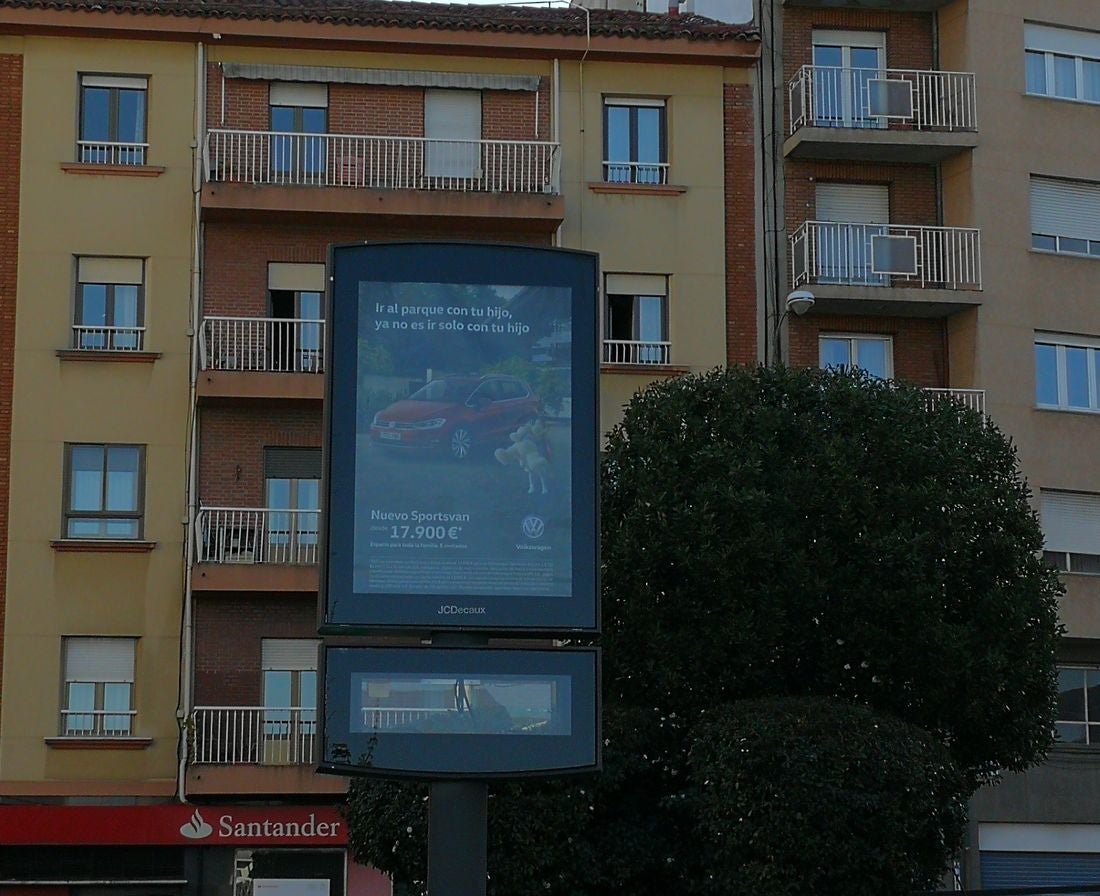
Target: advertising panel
pixel 442 712
pixel 461 438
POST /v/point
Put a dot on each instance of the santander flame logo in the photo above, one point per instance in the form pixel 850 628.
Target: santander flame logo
pixel 196 828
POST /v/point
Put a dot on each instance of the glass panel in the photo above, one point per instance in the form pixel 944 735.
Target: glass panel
pixel 1077 377
pixel 309 308
pixel 116 699
pixel 92 313
pixel 307 699
pixel 1065 76
pixel 649 144
pixel 309 502
pixel 1092 695
pixel 827 55
pixel 313 152
pixel 86 483
pixel 1070 734
pixel 277 699
pixel 871 356
pixel 1041 241
pixel 1091 91
pixel 1069 244
pixel 1046 374
pixel 827 85
pixel 865 66
pixel 278 524
pixel 131 116
pixel 1071 695
pixel 1036 65
pixel 1085 563
pixel 79 703
pixel 651 325
pixel 835 353
pixel 122 478
pixel 618 143
pixel 314 121
pixel 282 119
pixel 1056 559
pixel 120 528
pixel 126 316
pixel 95 121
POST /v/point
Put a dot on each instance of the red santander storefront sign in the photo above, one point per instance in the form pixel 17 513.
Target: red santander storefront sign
pixel 172 825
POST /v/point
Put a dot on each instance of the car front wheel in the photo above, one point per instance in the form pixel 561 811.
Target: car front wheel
pixel 462 443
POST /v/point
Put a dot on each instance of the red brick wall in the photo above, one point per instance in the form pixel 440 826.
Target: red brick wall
pixel 11 118
pixel 375 109
pixel 920 344
pixel 228 631
pixel 740 191
pixel 231 448
pixel 236 254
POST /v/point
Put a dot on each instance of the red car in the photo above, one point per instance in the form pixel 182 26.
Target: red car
pixel 457 413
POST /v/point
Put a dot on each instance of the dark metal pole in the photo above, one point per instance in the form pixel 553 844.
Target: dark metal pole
pixel 458 816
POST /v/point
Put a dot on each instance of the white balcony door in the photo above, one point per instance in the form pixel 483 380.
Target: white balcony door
pixel 290 699
pixel 845 61
pixel 844 249
pixel 452 116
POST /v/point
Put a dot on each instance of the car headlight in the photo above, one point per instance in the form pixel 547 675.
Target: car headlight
pixel 374 422
pixel 434 423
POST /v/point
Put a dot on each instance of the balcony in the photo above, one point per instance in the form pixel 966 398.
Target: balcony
pixel 886 115
pixel 857 268
pixel 261 357
pixel 633 352
pixel 968 399
pixel 256 549
pixel 255 749
pixel 515 181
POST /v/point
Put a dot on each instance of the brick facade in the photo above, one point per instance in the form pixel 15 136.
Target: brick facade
pixel 11 119
pixel 740 193
pixel 919 344
pixel 228 632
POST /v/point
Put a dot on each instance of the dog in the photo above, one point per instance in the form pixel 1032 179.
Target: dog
pixel 530 450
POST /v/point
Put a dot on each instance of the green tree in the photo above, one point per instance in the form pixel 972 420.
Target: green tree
pixel 771 535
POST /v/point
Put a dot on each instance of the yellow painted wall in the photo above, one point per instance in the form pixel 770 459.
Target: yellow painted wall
pixel 52 594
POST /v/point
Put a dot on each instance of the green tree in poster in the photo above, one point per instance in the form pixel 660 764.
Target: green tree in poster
pixel 820 595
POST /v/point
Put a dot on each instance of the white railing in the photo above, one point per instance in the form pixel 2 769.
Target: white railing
pixel 652 173
pixel 971 399
pixel 253 735
pixel 262 344
pixel 831 97
pixel 97 722
pixel 379 718
pixel 396 163
pixel 262 535
pixel 96 152
pixel 108 339
pixel 629 351
pixel 886 255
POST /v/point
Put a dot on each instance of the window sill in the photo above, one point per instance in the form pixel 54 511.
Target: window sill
pixel 1056 254
pixel 124 170
pixel 635 369
pixel 102 546
pixel 637 189
pixel 85 354
pixel 1086 412
pixel 99 743
pixel 1079 101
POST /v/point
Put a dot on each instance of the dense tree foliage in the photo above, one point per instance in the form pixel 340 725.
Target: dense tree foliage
pixel 769 535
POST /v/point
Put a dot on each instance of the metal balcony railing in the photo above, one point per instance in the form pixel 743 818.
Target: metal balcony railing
pixel 630 351
pixel 97 722
pixel 108 339
pixel 886 255
pixel 94 152
pixel 971 399
pixel 253 735
pixel 649 173
pixel 261 535
pixel 829 97
pixel 262 344
pixel 394 163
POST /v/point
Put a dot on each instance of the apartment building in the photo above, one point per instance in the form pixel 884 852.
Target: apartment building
pixel 174 179
pixel 937 191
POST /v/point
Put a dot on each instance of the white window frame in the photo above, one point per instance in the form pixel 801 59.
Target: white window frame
pixel 643 352
pixel 638 172
pixel 1069 205
pixel 1060 344
pixel 1087 723
pixel 123 673
pixel 113 151
pixel 1049 43
pixel 853 339
pixel 110 273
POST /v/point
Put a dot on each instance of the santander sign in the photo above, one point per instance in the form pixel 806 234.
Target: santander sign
pixel 197 828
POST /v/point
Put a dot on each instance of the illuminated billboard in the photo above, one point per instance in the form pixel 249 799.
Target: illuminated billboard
pixel 461 438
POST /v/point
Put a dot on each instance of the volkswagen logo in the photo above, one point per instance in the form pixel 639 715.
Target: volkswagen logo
pixel 533 526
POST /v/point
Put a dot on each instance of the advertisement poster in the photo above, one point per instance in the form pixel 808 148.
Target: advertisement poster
pixel 463 478
pixel 462 444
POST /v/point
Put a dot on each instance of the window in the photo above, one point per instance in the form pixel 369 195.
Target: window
pixel 104 491
pixel 635 141
pixel 1065 216
pixel 851 220
pixel 293 483
pixel 1067 373
pixel 636 320
pixel 296 299
pixel 1078 705
pixel 873 354
pixel 1071 529
pixel 845 65
pixel 290 698
pixel 108 311
pixel 297 111
pixel 112 120
pixel 98 690
pixel 1062 63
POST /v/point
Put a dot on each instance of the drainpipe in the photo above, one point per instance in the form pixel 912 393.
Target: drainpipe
pixel 183 711
pixel 555 114
pixel 580 119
